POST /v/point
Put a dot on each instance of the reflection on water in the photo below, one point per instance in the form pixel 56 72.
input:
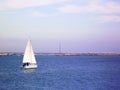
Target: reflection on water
pixel 29 70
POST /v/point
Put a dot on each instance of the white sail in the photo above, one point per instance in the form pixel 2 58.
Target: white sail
pixel 29 54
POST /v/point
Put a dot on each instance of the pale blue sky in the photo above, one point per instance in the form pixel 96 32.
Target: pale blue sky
pixel 79 25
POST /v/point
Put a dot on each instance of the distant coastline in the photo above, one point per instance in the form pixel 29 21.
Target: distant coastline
pixel 62 54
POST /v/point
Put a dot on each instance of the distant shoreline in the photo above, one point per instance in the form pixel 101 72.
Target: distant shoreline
pixel 62 54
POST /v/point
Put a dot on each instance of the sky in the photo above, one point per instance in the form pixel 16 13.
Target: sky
pixel 79 26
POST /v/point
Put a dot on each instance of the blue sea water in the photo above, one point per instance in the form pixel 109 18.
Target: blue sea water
pixel 61 73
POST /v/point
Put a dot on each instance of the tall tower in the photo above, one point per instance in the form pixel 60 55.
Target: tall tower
pixel 59 48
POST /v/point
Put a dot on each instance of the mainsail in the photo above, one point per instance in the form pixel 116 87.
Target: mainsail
pixel 29 56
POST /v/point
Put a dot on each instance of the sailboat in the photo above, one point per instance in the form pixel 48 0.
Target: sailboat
pixel 29 61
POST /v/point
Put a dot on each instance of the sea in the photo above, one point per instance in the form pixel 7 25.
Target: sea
pixel 61 73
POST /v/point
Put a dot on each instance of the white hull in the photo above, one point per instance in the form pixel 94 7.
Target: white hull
pixel 30 66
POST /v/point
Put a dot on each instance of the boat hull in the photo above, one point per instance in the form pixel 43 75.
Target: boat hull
pixel 30 66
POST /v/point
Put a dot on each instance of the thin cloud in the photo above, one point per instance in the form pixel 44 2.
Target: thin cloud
pixel 70 9
pixel 94 7
pixel 40 14
pixel 109 18
pixel 112 7
pixel 15 4
pixel 106 12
